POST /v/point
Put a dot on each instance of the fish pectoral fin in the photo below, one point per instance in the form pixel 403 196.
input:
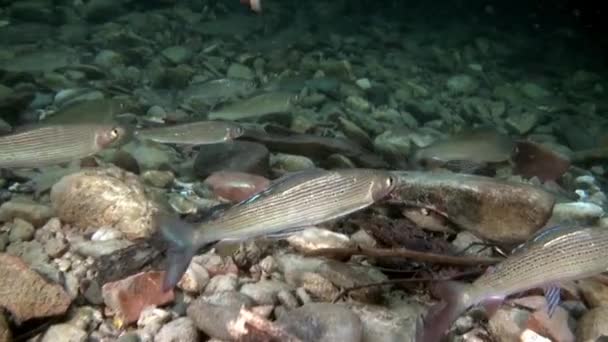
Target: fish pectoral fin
pixel 553 297
pixel 492 305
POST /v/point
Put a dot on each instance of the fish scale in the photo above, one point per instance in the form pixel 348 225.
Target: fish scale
pixel 54 144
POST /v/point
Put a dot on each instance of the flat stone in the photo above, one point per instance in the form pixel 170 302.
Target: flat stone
pixel 34 213
pixel 235 186
pixel 64 332
pixel 323 322
pixel 179 330
pixel 26 294
pixel 128 297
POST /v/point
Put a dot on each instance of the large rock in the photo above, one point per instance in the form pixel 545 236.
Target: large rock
pixel 240 156
pixel 323 322
pixel 592 325
pixel 26 294
pixel 105 197
pixel 496 210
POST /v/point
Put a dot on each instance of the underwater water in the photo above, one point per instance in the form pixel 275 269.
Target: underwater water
pixel 483 123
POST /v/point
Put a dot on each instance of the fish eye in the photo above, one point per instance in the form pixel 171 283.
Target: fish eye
pixel 115 133
pixel 390 181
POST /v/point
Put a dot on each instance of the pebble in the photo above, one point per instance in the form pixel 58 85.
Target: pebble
pixel 34 213
pixel 96 249
pixel 212 319
pixel 222 282
pixel 290 162
pixel 194 279
pixel 358 104
pixel 314 238
pixel 364 83
pixel 21 230
pixel 462 84
pixel 323 322
pixel 64 332
pixel 237 70
pixel 179 330
pixel 5 330
pixel 177 54
pixel 264 292
pixel 580 212
pixel 159 179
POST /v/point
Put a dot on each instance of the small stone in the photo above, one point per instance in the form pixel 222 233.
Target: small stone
pixel 583 212
pixel 179 330
pixel 235 186
pixel 200 313
pixel 290 162
pixel 26 294
pixel 313 283
pixel 106 233
pixel 108 59
pixel 222 282
pixel 591 326
pixel 364 83
pixel 5 330
pixel 177 54
pixel 534 91
pixel 229 298
pixel 34 213
pixel 237 70
pixel 594 292
pixel 323 322
pixel 31 252
pixel 64 332
pixel 194 279
pixel 159 179
pixel 394 144
pixel 314 238
pixel 358 104
pixel 156 114
pixel 21 230
pixel 264 292
pixel 523 123
pixel 152 319
pixel 345 275
pixel 381 324
pixel 151 155
pixel 462 84
pixel 96 249
pixel 128 297
pixel 471 245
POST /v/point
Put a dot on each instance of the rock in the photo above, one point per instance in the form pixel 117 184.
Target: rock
pixel 200 312
pixel 101 10
pixel 581 212
pixel 96 249
pixel 536 160
pixel 534 91
pixel 394 144
pixel 235 186
pixel 177 54
pixel 496 210
pixel 128 297
pixel 229 298
pixel 381 324
pixel 363 83
pixel 522 123
pixel 316 238
pixel 462 84
pixel 594 292
pixel 323 322
pixel 222 282
pixel 555 328
pixel 358 104
pixel 3 242
pixel 344 275
pixel 21 230
pixel 179 330
pixel 239 156
pixel 105 197
pixel 26 294
pixel 591 326
pixel 151 155
pixel 194 279
pixel 151 320
pixel 108 59
pixel 290 162
pixel 64 332
pixel 315 284
pixel 5 330
pixel 30 252
pixel 34 213
pixel 264 292
pixel 159 179
pixel 240 71
pixel 471 245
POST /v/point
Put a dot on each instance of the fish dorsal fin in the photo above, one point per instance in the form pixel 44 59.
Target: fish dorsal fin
pixel 282 183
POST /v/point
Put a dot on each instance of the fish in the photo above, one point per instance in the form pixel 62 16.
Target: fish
pixel 213 92
pixel 193 133
pixel 552 255
pixel 255 5
pixel 55 144
pixel 263 104
pixel 99 111
pixel 290 203
pixel 478 146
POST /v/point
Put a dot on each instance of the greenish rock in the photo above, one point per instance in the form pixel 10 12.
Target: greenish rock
pixel 534 91
pixel 177 54
pixel 323 322
pixel 151 155
pixel 358 104
pixel 241 71
pixel 523 123
pixel 462 84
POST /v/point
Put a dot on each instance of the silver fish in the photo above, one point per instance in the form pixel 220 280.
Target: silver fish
pixel 292 202
pixel 550 256
pixel 193 133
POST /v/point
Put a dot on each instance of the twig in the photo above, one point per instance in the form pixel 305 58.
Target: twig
pixel 399 281
pixel 405 253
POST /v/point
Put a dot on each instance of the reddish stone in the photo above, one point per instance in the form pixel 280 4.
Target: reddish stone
pixel 235 186
pixel 128 297
pixel 535 160
pixel 26 294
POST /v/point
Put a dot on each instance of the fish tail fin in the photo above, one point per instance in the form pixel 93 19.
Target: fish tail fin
pixel 181 237
pixel 440 316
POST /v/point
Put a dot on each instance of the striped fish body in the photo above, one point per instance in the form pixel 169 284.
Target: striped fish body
pixel 298 200
pixel 55 144
pixel 554 255
pixel 194 133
